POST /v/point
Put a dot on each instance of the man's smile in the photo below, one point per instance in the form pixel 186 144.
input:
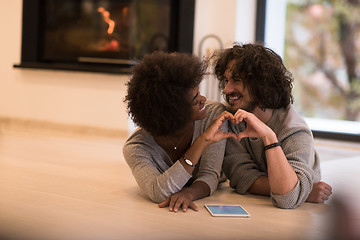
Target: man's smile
pixel 233 97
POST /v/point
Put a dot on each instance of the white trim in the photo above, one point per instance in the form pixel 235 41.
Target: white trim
pixel 336 126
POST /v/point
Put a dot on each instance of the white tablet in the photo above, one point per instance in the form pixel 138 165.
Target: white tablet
pixel 226 210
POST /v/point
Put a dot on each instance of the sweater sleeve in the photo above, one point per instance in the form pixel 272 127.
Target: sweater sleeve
pixel 239 167
pixel 154 177
pixel 212 157
pixel 299 150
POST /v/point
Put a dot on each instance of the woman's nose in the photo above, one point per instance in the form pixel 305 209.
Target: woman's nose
pixel 203 99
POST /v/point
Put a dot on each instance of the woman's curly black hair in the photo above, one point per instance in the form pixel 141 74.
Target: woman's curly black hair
pixel 158 91
pixel 262 72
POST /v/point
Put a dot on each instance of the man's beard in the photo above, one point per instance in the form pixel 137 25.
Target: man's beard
pixel 250 106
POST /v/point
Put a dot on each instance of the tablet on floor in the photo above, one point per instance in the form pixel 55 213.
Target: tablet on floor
pixel 217 210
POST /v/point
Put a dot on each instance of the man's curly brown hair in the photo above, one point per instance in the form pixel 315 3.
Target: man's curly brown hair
pixel 262 72
pixel 158 91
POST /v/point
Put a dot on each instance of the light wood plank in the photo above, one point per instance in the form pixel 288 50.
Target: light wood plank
pixel 64 188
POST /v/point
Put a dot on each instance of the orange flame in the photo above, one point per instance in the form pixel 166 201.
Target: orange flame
pixel 107 19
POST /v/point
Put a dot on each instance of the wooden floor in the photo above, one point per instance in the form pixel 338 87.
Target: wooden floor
pixel 333 149
pixel 61 172
pixel 29 158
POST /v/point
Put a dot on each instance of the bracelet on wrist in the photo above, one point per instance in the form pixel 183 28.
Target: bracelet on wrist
pixel 273 145
pixel 188 161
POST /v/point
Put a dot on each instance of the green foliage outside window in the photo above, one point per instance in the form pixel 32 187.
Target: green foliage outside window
pixel 322 50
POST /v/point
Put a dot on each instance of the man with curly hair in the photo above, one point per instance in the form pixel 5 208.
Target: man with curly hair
pixel 176 153
pixel 274 153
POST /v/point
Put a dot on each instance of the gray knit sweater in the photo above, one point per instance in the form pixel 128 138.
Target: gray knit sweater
pixel 245 161
pixel 158 176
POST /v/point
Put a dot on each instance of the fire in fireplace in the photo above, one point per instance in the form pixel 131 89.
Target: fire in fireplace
pixel 102 35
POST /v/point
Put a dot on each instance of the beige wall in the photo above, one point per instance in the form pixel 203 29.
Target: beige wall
pixel 89 99
pixel 230 20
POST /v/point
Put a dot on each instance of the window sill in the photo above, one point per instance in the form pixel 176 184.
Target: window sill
pixel 335 129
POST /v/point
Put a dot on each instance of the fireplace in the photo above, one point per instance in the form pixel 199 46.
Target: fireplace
pixel 102 35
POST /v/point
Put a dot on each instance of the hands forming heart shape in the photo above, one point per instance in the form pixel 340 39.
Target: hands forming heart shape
pixel 255 128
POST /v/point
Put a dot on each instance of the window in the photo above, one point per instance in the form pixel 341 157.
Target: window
pixel 320 43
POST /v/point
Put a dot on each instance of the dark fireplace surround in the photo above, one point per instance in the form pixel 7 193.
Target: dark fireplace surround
pixel 102 35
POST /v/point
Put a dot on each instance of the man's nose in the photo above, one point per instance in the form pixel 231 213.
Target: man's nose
pixel 228 88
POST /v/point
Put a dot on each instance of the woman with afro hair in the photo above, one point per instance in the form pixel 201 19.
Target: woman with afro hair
pixel 176 153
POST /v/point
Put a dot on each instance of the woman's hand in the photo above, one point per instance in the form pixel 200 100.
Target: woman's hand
pixel 182 199
pixel 254 126
pixel 214 133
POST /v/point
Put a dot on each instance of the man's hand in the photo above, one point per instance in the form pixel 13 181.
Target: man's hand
pixel 320 192
pixel 254 126
pixel 180 199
